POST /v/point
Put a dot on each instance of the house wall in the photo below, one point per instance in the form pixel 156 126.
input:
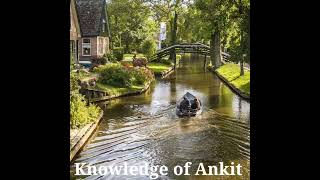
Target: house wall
pixel 93 41
pixel 95 45
pixel 104 45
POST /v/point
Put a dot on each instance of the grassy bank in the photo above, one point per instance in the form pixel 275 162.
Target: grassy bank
pixel 157 68
pixel 112 90
pixel 231 72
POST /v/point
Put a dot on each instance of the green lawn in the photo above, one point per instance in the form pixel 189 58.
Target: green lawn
pixel 157 68
pixel 111 90
pixel 231 72
pixel 128 57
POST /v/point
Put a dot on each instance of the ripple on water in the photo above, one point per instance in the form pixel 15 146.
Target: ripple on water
pixel 160 139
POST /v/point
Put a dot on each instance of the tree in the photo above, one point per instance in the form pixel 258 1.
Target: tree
pixel 130 23
pixel 149 47
pixel 229 21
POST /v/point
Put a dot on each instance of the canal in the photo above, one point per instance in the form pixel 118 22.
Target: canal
pixel 144 129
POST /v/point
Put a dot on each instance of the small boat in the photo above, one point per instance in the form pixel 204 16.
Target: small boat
pixel 188 105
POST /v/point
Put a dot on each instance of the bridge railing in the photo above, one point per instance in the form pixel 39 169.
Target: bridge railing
pixel 187 48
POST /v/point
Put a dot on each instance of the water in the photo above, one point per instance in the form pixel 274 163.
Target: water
pixel 144 129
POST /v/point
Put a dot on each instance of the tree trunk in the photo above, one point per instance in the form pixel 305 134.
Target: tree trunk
pixel 127 50
pixel 174 38
pixel 242 57
pixel 241 67
pixel 215 49
pixel 174 29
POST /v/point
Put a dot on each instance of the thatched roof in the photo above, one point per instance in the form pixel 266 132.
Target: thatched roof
pixel 91 14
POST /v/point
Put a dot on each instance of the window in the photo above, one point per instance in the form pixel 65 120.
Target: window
pixel 86 47
pixel 100 45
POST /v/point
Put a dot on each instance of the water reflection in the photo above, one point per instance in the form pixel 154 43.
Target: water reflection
pixel 144 129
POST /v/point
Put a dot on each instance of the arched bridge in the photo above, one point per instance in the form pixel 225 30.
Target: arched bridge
pixel 197 48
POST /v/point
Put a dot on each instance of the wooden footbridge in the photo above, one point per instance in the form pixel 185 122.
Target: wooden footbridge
pixel 196 48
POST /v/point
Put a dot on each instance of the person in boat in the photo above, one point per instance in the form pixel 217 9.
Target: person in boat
pixel 195 104
pixel 185 104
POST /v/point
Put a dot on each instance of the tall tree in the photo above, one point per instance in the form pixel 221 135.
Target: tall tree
pixel 229 21
pixel 130 23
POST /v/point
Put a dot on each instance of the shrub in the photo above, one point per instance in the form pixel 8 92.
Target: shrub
pixel 126 64
pixel 123 76
pixel 111 57
pixel 118 53
pixel 74 82
pixel 80 114
pixel 142 75
pixel 166 61
pixel 141 62
pixel 114 75
pixel 149 47
pixel 100 60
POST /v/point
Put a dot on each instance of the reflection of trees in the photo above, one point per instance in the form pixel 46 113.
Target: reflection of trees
pixel 173 87
pixel 214 99
pixel 239 110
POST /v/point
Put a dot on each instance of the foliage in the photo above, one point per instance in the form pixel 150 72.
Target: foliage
pixel 165 61
pixel 142 75
pixel 126 64
pixel 232 20
pixel 100 60
pixel 130 23
pixel 74 82
pixel 141 62
pixel 134 22
pixel 149 47
pixel 118 53
pixel 80 114
pixel 111 58
pixel 115 75
pixel 120 76
pixel 231 72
